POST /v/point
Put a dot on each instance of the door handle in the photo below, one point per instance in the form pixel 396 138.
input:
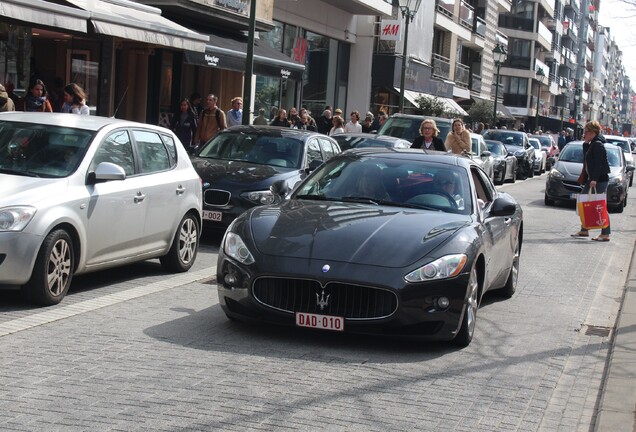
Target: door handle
pixel 139 197
pixel 180 190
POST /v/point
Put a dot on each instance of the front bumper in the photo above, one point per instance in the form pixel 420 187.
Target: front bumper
pixel 416 311
pixel 559 190
pixel 18 251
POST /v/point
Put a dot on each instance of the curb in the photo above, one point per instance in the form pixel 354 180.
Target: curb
pixel 617 406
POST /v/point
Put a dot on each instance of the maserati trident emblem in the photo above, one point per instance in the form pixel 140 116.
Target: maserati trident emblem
pixel 321 300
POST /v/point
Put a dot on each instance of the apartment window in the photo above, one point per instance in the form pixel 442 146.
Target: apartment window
pixel 515 85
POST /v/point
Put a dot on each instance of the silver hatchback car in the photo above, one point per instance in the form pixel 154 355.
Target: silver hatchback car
pixel 85 193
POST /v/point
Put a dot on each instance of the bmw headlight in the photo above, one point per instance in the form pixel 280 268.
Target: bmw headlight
pixel 16 218
pixel 259 197
pixel 555 173
pixel 234 247
pixel 442 268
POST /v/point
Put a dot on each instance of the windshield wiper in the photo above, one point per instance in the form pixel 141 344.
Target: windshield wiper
pixel 361 199
pixel 16 172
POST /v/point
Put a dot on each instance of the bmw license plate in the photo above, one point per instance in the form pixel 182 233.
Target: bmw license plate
pixel 215 216
pixel 324 322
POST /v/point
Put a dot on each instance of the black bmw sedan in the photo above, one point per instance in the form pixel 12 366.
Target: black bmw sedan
pixel 380 241
pixel 238 166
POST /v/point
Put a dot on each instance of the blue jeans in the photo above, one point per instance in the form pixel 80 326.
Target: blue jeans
pixel 601 187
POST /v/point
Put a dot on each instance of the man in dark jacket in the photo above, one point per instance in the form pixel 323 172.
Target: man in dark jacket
pixel 324 122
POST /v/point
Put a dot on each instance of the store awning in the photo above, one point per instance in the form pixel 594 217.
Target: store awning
pixel 39 12
pixel 226 52
pixel 504 112
pixel 451 107
pixel 129 20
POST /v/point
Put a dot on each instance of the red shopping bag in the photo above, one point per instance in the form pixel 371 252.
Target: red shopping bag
pixel 592 209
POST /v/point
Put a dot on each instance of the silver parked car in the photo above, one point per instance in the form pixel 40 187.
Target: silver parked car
pixel 85 193
pixel 480 154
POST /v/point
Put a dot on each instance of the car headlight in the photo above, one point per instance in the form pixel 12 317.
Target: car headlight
pixel 259 197
pixel 16 218
pixel 234 247
pixel 616 179
pixel 555 173
pixel 442 268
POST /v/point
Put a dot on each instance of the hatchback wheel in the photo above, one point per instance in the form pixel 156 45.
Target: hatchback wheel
pixel 185 245
pixel 467 329
pixel 53 269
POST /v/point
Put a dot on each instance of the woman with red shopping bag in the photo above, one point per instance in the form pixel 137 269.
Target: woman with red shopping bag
pixel 596 169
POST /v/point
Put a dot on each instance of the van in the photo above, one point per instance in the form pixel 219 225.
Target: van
pixel 407 126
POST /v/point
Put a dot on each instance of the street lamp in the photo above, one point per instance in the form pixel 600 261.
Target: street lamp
pixel 409 9
pixel 563 91
pixel 499 55
pixel 540 75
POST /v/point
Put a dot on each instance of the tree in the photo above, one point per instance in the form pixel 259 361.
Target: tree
pixel 481 111
pixel 430 105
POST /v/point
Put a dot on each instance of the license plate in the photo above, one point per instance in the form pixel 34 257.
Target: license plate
pixel 212 215
pixel 325 322
pixel 574 195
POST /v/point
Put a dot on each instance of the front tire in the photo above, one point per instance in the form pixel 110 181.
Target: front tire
pixel 185 245
pixel 467 329
pixel 510 287
pixel 547 201
pixel 53 271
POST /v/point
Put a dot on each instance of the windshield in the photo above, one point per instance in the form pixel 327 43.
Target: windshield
pixel 408 128
pixel 37 150
pixel 347 142
pixel 572 153
pixel 613 157
pixel 400 183
pixel 506 137
pixel 277 151
pixel 624 145
pixel 535 143
pixel 496 149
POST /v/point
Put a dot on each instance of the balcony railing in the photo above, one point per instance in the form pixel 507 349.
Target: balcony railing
pixel 462 75
pixel 480 26
pixel 441 66
pixel 446 7
pixel 516 23
pixel 475 83
pixel 466 15
pixel 519 62
pixel 515 100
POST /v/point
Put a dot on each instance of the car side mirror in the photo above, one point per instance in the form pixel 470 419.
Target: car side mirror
pixel 630 168
pixel 279 189
pixel 485 154
pixel 106 171
pixel 503 206
pixel 313 165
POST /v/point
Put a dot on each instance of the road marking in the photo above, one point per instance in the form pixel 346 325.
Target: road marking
pixel 67 311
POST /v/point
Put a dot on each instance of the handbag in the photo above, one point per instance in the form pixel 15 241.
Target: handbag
pixel 592 209
pixel 583 177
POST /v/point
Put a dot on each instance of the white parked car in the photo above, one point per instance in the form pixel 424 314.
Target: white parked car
pixel 85 193
pixel 541 156
pixel 624 144
pixel 480 154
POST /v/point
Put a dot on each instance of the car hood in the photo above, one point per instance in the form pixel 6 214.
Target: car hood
pixel 20 190
pixel 353 233
pixel 572 170
pixel 218 171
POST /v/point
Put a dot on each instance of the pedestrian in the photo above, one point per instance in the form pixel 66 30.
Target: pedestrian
pixel 281 119
pixel 305 124
pixel 480 128
pixel 325 122
pixel 522 127
pixel 367 123
pixel 310 120
pixel 428 139
pixel 382 118
pixel 235 115
pixel 260 120
pixel 211 121
pixel 562 139
pixel 458 140
pixel 353 126
pixel 595 175
pixel 6 103
pixel 338 126
pixel 294 118
pixel 36 99
pixel 184 124
pixel 75 100
pixel 195 103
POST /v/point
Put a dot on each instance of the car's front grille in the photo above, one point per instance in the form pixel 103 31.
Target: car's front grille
pixel 216 197
pixel 337 299
pixel 572 186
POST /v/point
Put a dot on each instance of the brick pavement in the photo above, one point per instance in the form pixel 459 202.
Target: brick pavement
pixel 171 361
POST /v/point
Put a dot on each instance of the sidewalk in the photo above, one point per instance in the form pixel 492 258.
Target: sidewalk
pixel 617 408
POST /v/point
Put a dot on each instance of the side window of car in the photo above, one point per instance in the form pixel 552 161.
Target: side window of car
pixel 153 155
pixel 313 150
pixel 483 186
pixel 116 148
pixel 172 148
pixel 327 150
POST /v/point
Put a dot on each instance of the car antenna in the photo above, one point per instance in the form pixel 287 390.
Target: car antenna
pixel 120 101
